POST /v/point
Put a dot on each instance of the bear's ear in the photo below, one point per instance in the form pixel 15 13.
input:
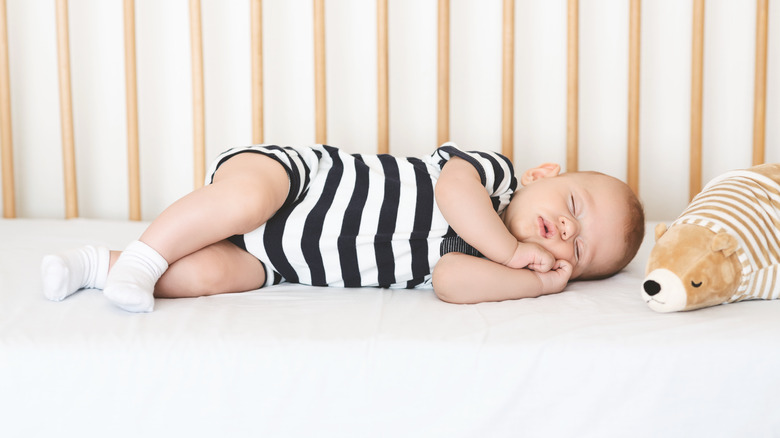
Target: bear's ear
pixel 660 229
pixel 725 242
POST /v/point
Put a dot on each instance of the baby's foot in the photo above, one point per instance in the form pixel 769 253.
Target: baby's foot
pixel 130 284
pixel 64 273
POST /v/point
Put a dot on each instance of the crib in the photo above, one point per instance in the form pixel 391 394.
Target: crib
pixel 111 110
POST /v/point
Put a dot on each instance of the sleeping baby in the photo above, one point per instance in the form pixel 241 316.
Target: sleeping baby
pixel 455 221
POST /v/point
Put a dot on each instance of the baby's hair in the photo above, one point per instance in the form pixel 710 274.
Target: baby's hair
pixel 635 228
pixel 634 232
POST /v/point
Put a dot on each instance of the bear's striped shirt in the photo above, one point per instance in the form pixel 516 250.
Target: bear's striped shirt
pixel 362 220
pixel 747 205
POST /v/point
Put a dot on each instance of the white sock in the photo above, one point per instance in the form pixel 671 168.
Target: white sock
pixel 130 284
pixel 66 272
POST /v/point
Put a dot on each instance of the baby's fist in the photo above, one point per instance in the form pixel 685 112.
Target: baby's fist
pixel 556 279
pixel 531 256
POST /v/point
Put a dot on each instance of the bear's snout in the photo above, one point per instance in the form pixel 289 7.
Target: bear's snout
pixel 664 291
pixel 652 287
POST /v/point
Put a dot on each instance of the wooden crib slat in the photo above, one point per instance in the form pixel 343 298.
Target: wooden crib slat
pixel 635 21
pixel 443 73
pixel 508 82
pixel 383 103
pixel 697 72
pixel 198 103
pixel 66 111
pixel 572 80
pixel 320 108
pixel 131 91
pixel 6 139
pixel 759 101
pixel 257 71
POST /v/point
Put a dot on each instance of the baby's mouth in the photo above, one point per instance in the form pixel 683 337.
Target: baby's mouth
pixel 546 229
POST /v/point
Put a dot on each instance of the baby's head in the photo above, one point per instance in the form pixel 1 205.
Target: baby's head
pixel 592 220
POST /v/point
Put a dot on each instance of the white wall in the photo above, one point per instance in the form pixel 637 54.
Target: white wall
pixel 164 89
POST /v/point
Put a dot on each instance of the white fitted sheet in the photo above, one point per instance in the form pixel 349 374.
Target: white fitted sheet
pixel 302 361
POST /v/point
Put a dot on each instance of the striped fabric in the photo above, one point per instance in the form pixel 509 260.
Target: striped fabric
pixel 747 205
pixel 361 220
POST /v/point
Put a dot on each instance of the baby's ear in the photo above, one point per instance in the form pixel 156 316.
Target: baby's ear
pixel 543 171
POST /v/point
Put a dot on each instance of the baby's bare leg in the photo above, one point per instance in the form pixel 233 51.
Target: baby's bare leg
pixel 216 269
pixel 247 190
pixel 219 268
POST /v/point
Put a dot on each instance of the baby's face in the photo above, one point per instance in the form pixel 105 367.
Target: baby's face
pixel 578 217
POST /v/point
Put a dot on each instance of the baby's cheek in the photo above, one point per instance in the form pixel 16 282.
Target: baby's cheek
pixel 561 251
pixel 520 234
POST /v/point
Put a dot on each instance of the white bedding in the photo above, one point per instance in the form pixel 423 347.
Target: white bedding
pixel 302 361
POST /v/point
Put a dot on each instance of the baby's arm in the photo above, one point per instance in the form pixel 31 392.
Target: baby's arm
pixel 464 279
pixel 467 207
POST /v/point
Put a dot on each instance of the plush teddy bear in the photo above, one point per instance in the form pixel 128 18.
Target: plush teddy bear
pixel 725 247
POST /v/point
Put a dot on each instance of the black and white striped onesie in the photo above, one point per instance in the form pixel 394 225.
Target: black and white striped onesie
pixel 362 220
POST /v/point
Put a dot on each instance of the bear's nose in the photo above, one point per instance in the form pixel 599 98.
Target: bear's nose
pixel 652 287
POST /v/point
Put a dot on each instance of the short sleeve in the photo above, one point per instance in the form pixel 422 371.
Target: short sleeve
pixel 495 171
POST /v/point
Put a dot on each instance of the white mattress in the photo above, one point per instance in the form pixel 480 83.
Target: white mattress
pixel 302 361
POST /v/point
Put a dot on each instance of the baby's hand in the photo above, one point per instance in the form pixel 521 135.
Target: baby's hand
pixel 531 256
pixel 555 280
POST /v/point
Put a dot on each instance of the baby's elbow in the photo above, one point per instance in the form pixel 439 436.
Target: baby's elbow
pixel 444 293
pixel 447 294
pixel 446 284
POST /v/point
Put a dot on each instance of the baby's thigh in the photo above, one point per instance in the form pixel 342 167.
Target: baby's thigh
pixel 255 167
pixel 216 269
pixel 258 183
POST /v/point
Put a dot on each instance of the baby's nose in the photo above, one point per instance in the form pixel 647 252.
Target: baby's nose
pixel 568 228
